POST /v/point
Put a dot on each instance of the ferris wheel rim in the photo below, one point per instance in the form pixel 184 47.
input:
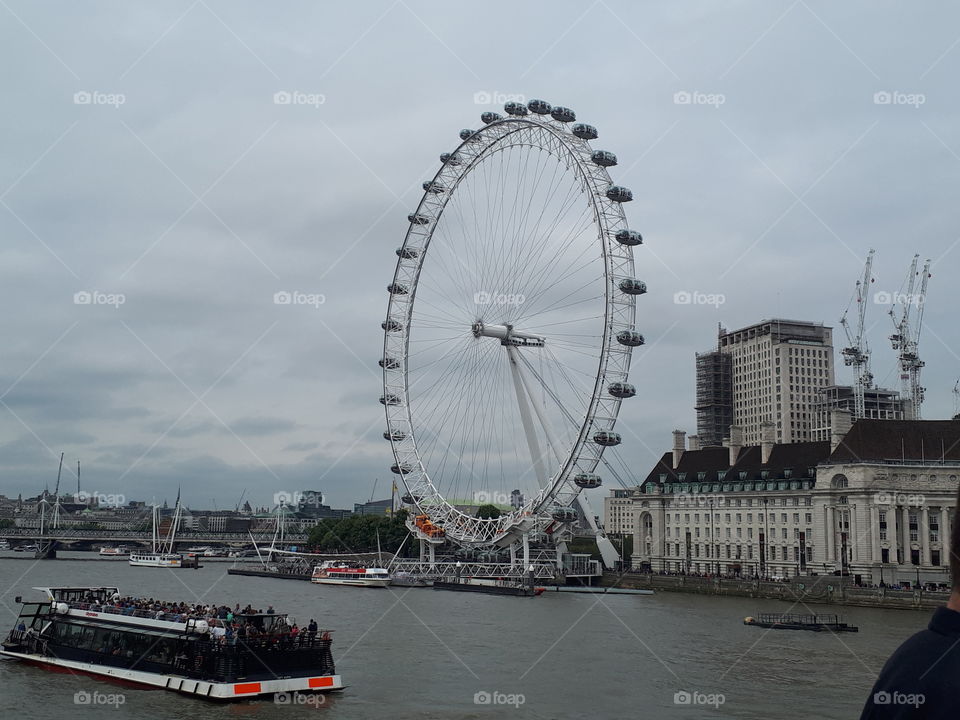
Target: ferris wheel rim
pixel 608 219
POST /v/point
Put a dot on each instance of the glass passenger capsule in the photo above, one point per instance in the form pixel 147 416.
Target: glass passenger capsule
pixel 619 194
pixel 515 108
pixel 630 338
pixel 563 114
pixel 392 325
pixel 466 134
pixel 629 237
pixel 389 399
pixel 408 253
pixel 561 513
pixel 449 159
pixel 389 363
pixel 540 107
pixel 607 438
pixel 432 186
pixel 394 435
pixel 603 158
pixel 587 481
pixel 397 289
pixel 632 286
pixel 415 219
pixel 622 390
pixel 584 132
pixel 401 469
pixel 490 117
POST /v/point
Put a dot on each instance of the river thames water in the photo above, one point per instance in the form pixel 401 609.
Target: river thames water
pixel 423 653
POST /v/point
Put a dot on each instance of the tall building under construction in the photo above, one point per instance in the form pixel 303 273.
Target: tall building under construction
pixel 772 371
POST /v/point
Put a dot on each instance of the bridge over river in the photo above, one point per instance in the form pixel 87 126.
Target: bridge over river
pixel 74 535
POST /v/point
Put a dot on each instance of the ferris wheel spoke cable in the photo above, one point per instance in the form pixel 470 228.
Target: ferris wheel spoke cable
pixel 573 194
pixel 549 279
pixel 526 240
pixel 469 435
pixel 540 243
pixel 437 439
pixel 556 307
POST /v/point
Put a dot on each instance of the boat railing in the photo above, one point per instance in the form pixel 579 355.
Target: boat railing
pixel 134 612
pixel 798 619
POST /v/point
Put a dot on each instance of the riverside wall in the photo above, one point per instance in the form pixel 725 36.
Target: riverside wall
pixel 806 589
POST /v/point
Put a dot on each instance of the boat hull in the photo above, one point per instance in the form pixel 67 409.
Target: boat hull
pixel 189 686
pixel 516 590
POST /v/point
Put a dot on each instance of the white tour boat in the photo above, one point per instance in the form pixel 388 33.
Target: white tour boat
pixel 114 551
pixel 334 572
pixel 90 630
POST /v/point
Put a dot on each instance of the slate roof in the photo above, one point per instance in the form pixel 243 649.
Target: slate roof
pixel 798 457
pixel 867 441
pixel 899 440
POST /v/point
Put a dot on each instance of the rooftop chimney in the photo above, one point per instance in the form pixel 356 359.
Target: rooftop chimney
pixel 735 443
pixel 767 434
pixel 693 442
pixel 679 440
pixel 840 423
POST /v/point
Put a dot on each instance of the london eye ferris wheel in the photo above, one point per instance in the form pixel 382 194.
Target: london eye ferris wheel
pixel 509 328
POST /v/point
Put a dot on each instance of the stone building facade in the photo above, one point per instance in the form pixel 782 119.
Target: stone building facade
pixel 875 501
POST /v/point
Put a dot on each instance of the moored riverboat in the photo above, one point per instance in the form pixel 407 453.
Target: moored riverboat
pixel 792 621
pixel 334 572
pixel 89 630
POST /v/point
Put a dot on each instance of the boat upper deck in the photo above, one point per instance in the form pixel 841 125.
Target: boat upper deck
pixel 106 603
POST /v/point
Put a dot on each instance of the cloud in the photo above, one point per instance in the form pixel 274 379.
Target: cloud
pixel 199 198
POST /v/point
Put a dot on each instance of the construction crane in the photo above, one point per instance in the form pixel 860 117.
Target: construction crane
pixel 906 338
pixel 857 353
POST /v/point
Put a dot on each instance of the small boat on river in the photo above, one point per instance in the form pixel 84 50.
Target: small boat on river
pixel 788 621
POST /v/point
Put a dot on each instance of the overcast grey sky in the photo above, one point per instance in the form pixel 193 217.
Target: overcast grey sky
pixel 199 197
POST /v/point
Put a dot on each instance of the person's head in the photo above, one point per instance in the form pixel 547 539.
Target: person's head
pixel 955 545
